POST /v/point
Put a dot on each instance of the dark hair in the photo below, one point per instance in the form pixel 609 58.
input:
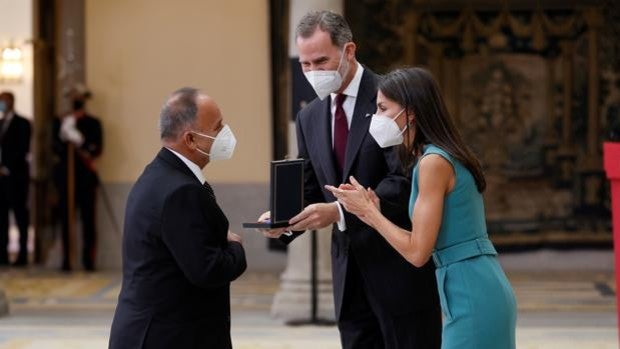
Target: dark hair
pixel 328 21
pixel 416 91
pixel 178 113
pixel 9 95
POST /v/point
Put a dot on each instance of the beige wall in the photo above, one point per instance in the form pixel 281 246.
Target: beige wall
pixel 138 51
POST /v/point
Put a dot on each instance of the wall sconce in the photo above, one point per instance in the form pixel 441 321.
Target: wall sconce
pixel 11 64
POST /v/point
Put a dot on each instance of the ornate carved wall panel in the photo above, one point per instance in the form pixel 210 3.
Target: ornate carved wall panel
pixel 519 79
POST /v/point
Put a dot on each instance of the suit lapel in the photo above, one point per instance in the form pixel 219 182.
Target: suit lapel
pixel 365 102
pixel 174 161
pixel 171 159
pixel 324 138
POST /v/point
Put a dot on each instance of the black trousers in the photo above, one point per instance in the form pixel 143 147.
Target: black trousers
pixel 14 197
pixel 364 325
pixel 85 202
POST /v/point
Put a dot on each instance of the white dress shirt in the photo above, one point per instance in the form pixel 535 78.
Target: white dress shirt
pixel 192 166
pixel 349 107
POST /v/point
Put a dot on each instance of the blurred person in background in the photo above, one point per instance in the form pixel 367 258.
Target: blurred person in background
pixel 15 134
pixel 82 133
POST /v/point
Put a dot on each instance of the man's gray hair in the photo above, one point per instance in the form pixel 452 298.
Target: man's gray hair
pixel 327 21
pixel 178 113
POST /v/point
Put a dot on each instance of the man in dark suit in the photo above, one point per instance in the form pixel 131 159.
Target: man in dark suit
pixel 84 132
pixel 178 255
pixel 381 300
pixel 15 132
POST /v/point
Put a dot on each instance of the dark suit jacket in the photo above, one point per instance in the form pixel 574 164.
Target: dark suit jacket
pixel 177 263
pixel 394 285
pixel 15 144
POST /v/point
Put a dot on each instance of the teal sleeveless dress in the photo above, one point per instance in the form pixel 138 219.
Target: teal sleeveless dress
pixel 477 301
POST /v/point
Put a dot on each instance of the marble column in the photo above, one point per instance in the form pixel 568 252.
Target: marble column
pixel 292 301
pixel 71 50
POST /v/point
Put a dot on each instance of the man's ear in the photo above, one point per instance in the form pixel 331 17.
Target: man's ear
pixel 350 50
pixel 188 139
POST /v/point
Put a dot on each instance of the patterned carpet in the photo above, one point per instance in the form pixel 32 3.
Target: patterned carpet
pixel 40 289
pixel 53 310
pixel 46 290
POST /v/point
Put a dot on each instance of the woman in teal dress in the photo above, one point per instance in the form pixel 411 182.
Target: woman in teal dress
pixel 447 212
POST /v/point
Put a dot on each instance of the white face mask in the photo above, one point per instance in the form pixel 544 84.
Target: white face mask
pixel 223 145
pixel 385 130
pixel 325 82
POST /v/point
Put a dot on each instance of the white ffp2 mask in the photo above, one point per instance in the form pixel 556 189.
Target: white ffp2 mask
pixel 223 145
pixel 385 130
pixel 325 82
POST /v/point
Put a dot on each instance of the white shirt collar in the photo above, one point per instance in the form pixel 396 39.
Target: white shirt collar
pixel 192 166
pixel 354 86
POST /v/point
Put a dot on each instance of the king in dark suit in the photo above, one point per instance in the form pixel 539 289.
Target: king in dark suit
pixel 178 255
pixel 15 133
pixel 381 300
